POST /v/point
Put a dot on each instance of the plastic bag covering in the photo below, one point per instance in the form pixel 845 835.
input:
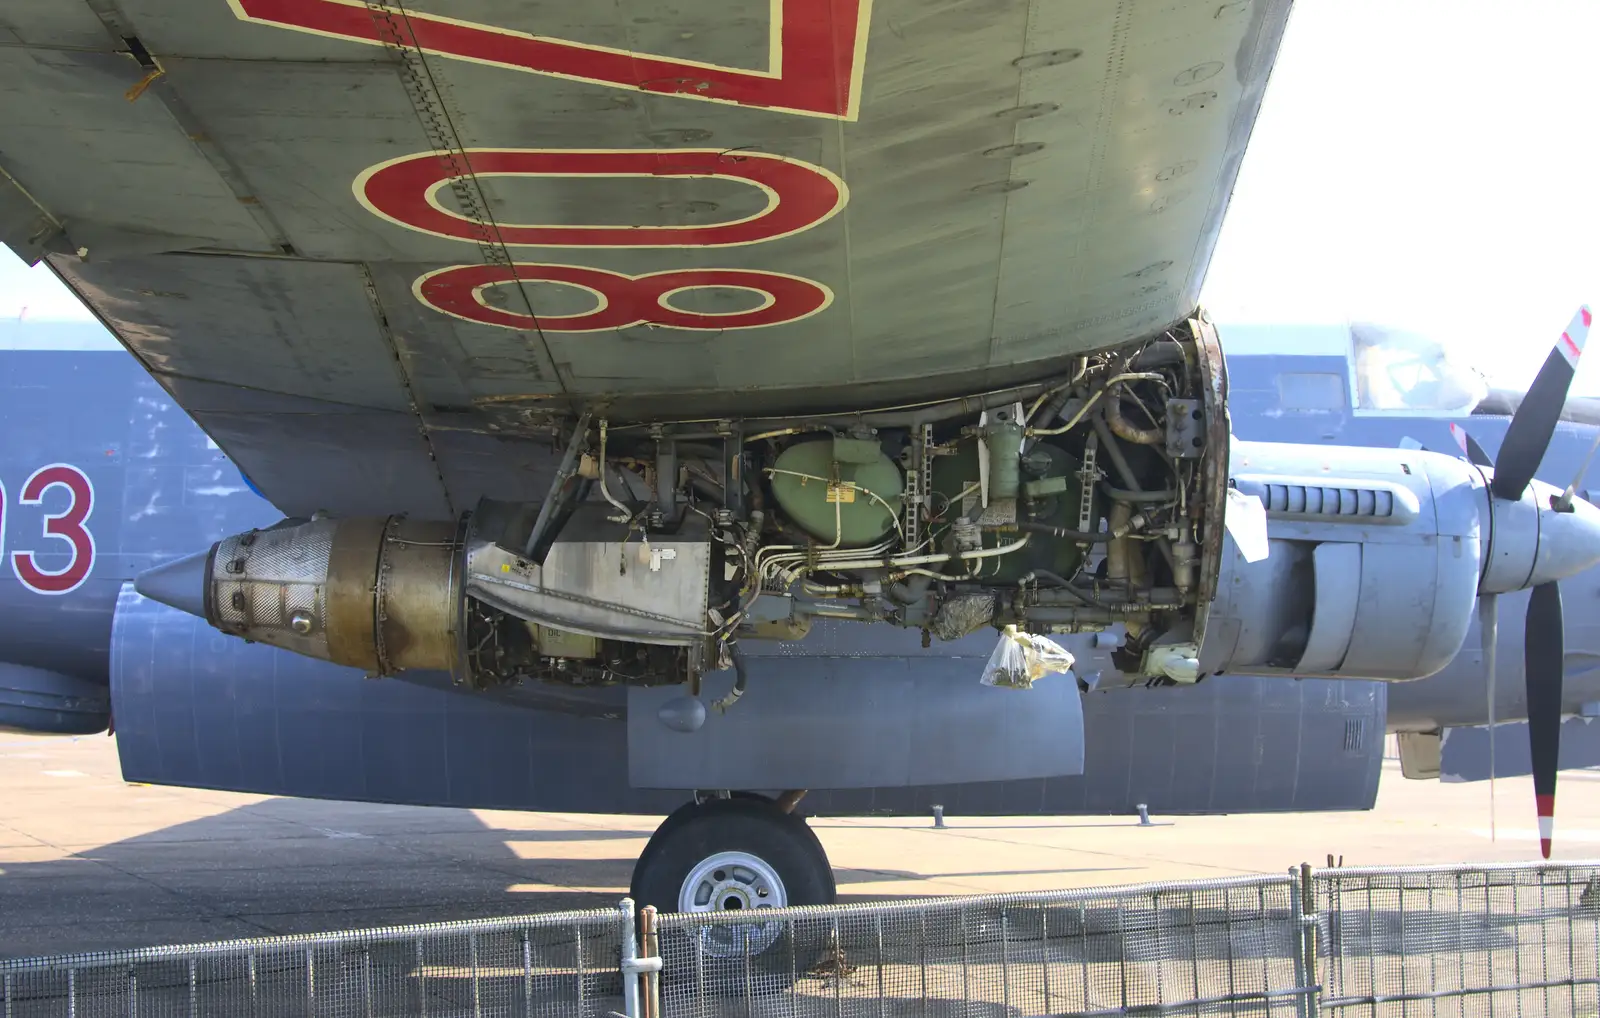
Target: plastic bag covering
pixel 1020 659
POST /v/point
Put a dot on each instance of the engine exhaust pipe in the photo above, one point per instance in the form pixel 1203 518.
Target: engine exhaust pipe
pixel 383 594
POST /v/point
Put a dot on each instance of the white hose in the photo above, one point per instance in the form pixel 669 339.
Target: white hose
pixel 623 513
pixel 919 560
pixel 1093 399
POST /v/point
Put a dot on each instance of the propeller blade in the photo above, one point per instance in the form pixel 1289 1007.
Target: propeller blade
pixel 1535 420
pixel 1470 447
pixel 1542 668
pixel 1489 633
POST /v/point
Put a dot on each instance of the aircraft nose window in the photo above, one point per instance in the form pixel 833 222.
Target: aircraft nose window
pixel 1400 371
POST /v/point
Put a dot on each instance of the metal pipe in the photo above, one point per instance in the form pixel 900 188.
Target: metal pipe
pixel 1126 430
pixel 1124 495
pixel 1158 356
pixel 1085 536
pixel 1154 598
pixel 790 799
pixel 917 414
pixel 1062 586
pixel 1112 448
pixel 1057 395
pixel 913 589
pixel 780 432
pixel 741 679
pixel 630 959
pixel 624 514
pixel 1108 442
pixel 564 473
pixel 1071 616
pixel 667 476
pixel 1094 398
pixel 1117 552
pixel 921 560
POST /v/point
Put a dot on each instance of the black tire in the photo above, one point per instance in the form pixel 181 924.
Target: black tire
pixel 749 800
pixel 755 827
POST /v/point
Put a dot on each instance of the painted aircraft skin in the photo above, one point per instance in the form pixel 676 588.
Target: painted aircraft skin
pixel 744 210
pixel 87 428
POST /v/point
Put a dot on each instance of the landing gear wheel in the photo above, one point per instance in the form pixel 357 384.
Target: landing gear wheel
pixel 744 855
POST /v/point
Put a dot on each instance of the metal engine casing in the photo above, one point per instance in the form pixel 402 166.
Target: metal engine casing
pixel 377 593
pixel 1372 571
pixel 600 578
pixel 261 579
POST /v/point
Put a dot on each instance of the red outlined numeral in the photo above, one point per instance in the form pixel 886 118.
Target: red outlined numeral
pixel 622 300
pixel 815 56
pixel 69 525
pixel 799 195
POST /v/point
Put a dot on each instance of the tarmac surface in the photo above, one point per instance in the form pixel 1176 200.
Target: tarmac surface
pixel 90 862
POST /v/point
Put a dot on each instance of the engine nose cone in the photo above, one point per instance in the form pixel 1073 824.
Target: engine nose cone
pixel 1569 542
pixel 180 583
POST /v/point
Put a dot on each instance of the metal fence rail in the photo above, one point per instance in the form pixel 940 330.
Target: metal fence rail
pixel 1440 941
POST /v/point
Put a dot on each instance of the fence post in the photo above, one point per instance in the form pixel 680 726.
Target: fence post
pixel 1302 894
pixel 633 965
pixel 652 953
pixel 630 955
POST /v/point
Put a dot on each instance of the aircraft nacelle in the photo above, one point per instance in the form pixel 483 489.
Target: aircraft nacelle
pixel 1111 496
pixel 1373 565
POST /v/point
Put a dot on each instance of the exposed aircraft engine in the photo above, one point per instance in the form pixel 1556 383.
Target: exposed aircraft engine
pixel 1110 497
pixel 391 594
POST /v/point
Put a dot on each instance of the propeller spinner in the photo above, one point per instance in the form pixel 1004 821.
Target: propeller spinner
pixel 1534 533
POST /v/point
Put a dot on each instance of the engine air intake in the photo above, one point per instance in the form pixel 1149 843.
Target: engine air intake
pixel 1322 501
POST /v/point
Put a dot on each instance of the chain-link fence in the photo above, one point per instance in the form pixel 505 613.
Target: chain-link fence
pixel 562 965
pixel 1459 940
pixel 1479 940
pixel 1219 947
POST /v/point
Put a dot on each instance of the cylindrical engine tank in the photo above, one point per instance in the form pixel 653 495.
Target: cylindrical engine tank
pixel 840 490
pixel 1373 564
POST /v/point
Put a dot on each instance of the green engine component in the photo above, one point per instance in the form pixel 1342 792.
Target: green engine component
pixel 845 488
pixel 1003 437
pixel 1049 491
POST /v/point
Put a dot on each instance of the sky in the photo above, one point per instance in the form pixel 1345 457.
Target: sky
pixel 1427 164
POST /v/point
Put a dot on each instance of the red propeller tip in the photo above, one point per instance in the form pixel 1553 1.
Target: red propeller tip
pixel 1585 312
pixel 1546 805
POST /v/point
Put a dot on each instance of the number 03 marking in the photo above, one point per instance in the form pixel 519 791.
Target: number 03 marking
pixel 69 525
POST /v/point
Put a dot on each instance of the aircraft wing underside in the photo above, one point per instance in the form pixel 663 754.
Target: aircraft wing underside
pixel 368 246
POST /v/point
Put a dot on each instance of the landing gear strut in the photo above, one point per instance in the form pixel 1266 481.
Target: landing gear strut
pixel 741 854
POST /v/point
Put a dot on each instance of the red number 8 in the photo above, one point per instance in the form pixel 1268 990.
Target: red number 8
pixel 622 300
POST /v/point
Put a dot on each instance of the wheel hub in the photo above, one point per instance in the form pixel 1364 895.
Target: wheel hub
pixel 734 882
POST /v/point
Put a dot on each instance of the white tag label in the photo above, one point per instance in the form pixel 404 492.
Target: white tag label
pixel 1246 520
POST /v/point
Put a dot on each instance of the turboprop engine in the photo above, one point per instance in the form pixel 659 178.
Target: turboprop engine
pixel 1112 495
